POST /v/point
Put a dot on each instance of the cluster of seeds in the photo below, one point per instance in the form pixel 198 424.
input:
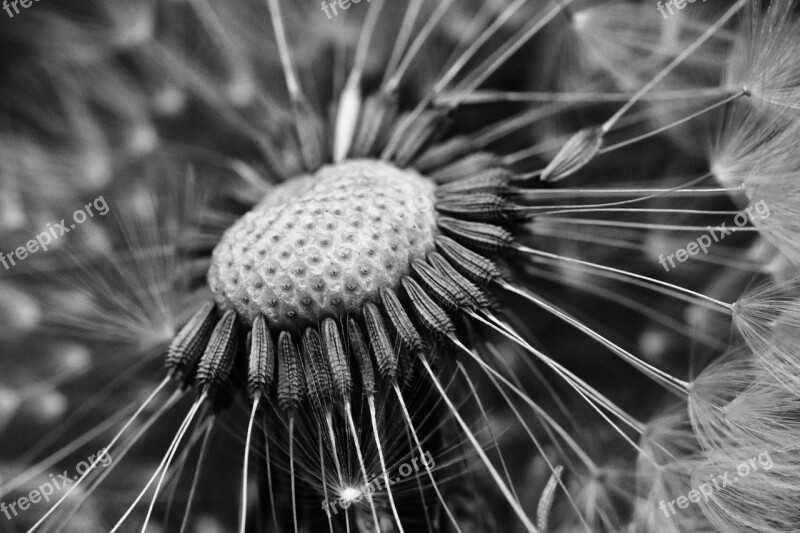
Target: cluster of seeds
pixel 361 247
pixel 346 280
pixel 338 237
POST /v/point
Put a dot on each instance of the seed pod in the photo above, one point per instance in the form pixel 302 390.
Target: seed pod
pixel 319 378
pixel 361 353
pixel 480 206
pixel 406 331
pixel 443 290
pixel 216 363
pixel 261 365
pixel 291 388
pixel 431 315
pixel 493 180
pixel 385 355
pixel 575 154
pixel 473 265
pixel 405 368
pixel 189 344
pixel 475 296
pixel 477 234
pixel 337 358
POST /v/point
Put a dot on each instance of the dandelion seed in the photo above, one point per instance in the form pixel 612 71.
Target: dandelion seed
pixel 762 62
pixel 754 151
pixel 578 151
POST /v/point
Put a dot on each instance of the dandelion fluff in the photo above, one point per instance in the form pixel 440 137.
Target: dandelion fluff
pixel 627 41
pixel 750 488
pixel 663 469
pixel 764 62
pixel 768 319
pixel 755 150
pixel 735 402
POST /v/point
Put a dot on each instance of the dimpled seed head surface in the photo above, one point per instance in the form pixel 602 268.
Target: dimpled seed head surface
pixel 321 246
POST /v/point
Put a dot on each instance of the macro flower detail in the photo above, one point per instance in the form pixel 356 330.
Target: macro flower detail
pixel 293 256
pixel 452 266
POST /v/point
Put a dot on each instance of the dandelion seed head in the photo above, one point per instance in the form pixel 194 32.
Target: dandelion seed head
pixel 341 308
pixel 331 246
